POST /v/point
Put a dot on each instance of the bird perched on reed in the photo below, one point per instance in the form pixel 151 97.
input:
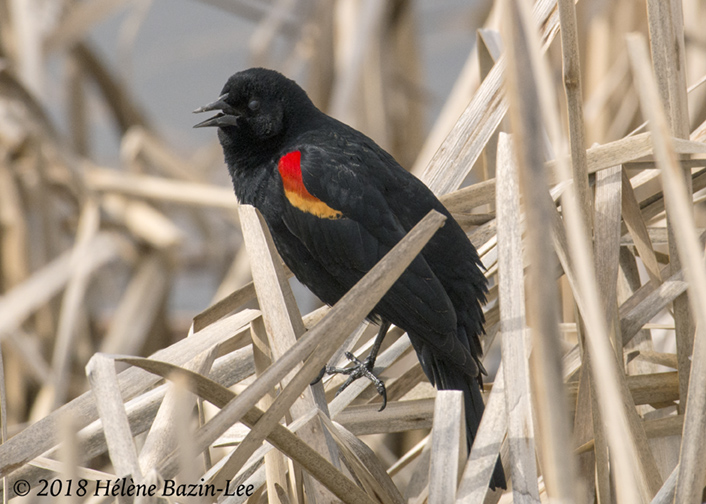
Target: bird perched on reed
pixel 335 204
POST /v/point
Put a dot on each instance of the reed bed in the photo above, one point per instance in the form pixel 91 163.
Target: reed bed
pixel 572 150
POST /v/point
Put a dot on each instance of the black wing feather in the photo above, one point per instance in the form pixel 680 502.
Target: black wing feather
pixel 381 202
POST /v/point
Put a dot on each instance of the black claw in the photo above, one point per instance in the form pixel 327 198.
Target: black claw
pixel 318 378
pixel 383 392
pixel 353 358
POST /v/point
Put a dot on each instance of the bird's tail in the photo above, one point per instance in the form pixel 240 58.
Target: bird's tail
pixel 448 378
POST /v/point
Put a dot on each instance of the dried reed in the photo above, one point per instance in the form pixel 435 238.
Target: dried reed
pixel 595 256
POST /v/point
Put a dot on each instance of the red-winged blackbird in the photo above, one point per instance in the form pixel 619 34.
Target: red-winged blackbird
pixel 336 203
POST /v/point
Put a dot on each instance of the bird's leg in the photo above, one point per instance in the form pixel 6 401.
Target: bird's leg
pixel 365 368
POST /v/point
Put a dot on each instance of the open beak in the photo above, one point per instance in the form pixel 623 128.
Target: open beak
pixel 222 118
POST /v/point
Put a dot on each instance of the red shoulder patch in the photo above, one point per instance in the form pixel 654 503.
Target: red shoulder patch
pixel 290 171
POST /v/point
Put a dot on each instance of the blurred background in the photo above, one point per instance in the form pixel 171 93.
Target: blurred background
pixel 118 221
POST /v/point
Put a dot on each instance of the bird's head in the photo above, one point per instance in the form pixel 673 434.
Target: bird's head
pixel 255 106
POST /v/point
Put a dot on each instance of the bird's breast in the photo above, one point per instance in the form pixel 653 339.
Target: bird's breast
pixel 289 167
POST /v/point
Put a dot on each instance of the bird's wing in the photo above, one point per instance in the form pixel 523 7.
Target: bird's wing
pixel 405 199
pixel 339 211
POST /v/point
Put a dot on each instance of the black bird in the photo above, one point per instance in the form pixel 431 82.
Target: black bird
pixel 336 203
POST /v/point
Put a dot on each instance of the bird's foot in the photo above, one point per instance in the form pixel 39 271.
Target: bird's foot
pixel 359 370
pixel 319 377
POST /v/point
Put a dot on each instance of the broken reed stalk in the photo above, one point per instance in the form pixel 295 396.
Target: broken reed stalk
pixel 526 122
pixel 511 295
pixel 571 64
pixel 282 317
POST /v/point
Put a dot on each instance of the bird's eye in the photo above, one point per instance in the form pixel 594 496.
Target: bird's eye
pixel 254 105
